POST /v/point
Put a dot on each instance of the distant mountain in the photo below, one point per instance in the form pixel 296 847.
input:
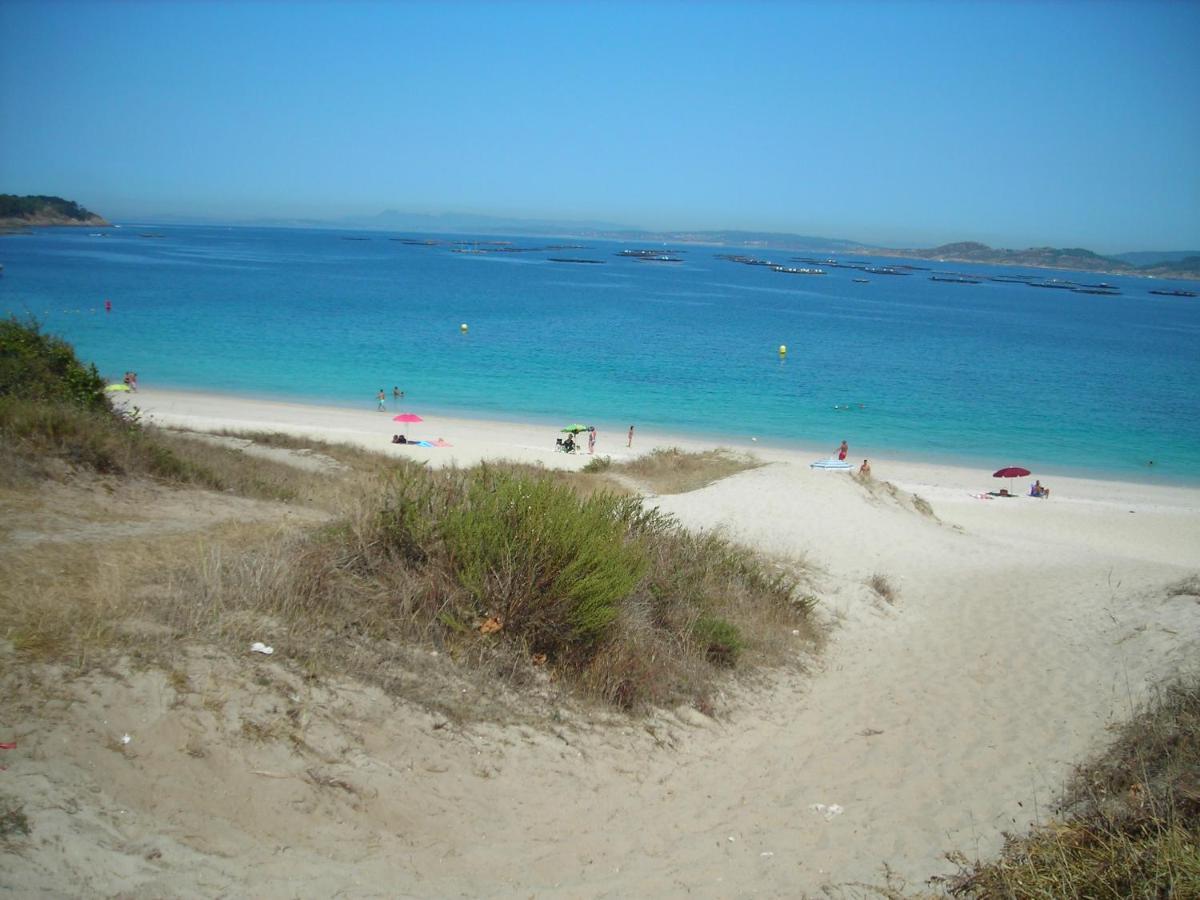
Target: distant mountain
pixel 774 239
pixel 470 223
pixel 1154 257
pixel 17 212
pixel 1074 258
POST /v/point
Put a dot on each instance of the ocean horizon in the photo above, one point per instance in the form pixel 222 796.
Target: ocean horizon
pixel 989 374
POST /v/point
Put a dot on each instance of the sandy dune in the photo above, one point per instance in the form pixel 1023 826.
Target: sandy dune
pixel 1020 628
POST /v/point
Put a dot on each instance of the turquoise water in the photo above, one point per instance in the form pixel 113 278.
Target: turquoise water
pixel 990 374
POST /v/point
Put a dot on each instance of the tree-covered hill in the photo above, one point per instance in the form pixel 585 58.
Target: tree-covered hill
pixel 42 210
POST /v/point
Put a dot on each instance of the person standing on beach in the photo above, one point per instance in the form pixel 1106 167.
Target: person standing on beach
pixel 843 451
pixel 382 398
pixel 592 439
pixel 629 443
pixel 864 471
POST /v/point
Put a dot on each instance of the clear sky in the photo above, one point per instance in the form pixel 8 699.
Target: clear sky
pixel 1070 124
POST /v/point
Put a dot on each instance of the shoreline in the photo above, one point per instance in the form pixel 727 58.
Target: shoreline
pixel 474 440
pixel 533 437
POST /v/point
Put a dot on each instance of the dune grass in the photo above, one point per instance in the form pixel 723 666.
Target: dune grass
pixel 513 571
pixel 1130 818
pixel 883 587
pixel 670 470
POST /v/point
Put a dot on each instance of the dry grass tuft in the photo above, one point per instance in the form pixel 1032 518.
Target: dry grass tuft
pixel 13 821
pixel 1131 818
pixel 674 471
pixel 1185 587
pixel 883 586
pixel 510 572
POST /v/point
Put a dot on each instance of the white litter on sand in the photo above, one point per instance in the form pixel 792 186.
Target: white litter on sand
pixel 827 811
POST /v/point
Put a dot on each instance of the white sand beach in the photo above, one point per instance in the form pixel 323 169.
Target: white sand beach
pixel 1021 629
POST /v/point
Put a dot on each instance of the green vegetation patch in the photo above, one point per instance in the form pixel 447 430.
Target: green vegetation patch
pixel 35 205
pixel 551 565
pixel 40 367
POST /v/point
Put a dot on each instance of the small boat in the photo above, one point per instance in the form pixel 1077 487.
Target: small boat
pixel 1175 293
pixel 954 279
pixel 862 280
pixel 568 259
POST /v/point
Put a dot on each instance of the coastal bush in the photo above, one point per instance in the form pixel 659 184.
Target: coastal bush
pixel 509 567
pixel 721 640
pixel 40 367
pixel 550 565
pixel 1130 825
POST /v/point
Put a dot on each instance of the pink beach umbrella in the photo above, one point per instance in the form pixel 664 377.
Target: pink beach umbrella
pixel 407 417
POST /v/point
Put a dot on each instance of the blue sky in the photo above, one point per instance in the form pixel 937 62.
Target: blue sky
pixel 1071 124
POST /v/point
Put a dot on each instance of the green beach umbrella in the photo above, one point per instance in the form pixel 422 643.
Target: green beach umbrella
pixel 575 429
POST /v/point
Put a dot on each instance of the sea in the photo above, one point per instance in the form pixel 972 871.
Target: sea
pixel 987 375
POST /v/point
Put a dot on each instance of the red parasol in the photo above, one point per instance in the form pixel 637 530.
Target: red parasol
pixel 1011 472
pixel 413 417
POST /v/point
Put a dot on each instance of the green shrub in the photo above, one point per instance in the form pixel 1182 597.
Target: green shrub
pixel 551 565
pixel 722 642
pixel 38 366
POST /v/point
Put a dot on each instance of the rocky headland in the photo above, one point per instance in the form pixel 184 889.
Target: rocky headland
pixel 23 212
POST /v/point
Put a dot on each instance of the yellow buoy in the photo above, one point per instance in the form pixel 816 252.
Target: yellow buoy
pixel 462 327
pixel 783 349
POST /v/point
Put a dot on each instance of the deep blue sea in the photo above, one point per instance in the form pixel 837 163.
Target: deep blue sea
pixel 988 374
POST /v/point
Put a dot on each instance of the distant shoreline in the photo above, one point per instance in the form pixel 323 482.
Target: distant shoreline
pixel 17 225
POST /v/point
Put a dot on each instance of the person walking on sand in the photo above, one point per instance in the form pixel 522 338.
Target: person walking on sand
pixel 381 397
pixel 864 471
pixel 592 439
pixel 629 443
pixel 843 451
